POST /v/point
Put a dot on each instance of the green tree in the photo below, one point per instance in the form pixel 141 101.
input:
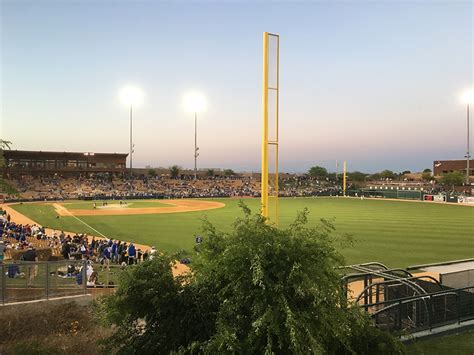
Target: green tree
pixel 152 172
pixel 257 289
pixel 4 144
pixel 318 171
pixel 375 176
pixel 427 170
pixel 174 171
pixel 357 176
pixel 452 179
pixel 388 174
pixel 229 172
pixel 210 172
pixel 5 187
pixel 427 176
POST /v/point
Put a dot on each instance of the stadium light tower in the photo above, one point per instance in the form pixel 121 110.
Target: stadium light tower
pixel 195 102
pixel 131 96
pixel 468 99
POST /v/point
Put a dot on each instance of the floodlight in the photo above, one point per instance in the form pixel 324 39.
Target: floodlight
pixel 194 102
pixel 468 96
pixel 131 95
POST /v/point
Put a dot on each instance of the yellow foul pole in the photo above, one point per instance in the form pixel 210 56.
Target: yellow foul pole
pixel 344 179
pixel 264 192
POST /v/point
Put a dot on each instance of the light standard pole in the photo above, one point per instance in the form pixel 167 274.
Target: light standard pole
pixel 131 142
pixel 468 98
pixel 468 155
pixel 131 95
pixel 195 102
pixel 196 154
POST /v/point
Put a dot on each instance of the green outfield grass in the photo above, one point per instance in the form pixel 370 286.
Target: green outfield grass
pixel 89 205
pixel 397 233
pixel 456 344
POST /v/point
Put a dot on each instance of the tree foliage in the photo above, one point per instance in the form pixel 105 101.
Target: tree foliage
pixel 174 171
pixel 388 174
pixel 427 176
pixel 452 179
pixel 318 171
pixel 210 172
pixel 257 289
pixel 5 187
pixel 4 144
pixel 357 176
pixel 229 172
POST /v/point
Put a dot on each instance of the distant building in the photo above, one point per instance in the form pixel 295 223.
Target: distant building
pixel 441 167
pixel 19 162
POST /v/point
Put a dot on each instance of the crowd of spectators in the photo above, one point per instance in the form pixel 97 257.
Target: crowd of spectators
pixel 56 187
pixel 99 186
pixel 102 253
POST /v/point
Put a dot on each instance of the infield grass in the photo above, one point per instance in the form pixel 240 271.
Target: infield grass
pixel 397 233
pixel 89 205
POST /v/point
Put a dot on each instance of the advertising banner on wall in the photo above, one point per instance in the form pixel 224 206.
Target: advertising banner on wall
pixel 466 199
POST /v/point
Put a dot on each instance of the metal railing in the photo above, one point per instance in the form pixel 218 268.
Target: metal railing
pixel 423 312
pixel 29 281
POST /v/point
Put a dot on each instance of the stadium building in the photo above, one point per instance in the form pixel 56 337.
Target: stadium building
pixel 441 167
pixel 19 162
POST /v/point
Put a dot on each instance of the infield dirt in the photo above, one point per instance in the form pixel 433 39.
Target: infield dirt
pixel 175 206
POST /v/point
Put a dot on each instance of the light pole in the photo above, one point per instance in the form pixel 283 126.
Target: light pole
pixel 131 140
pixel 468 98
pixel 196 148
pixel 195 102
pixel 131 95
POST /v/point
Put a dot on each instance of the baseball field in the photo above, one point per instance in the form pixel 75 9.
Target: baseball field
pixel 397 233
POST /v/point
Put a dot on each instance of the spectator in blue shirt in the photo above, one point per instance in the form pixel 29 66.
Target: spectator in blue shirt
pixel 132 253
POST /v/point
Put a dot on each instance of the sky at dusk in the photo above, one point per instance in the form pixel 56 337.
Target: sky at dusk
pixel 375 83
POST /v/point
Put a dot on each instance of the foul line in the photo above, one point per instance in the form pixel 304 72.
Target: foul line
pixel 62 208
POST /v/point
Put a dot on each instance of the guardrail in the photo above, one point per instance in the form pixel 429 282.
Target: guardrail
pixel 424 312
pixel 30 281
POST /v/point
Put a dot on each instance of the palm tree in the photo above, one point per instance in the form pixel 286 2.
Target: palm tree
pixel 174 171
pixel 4 144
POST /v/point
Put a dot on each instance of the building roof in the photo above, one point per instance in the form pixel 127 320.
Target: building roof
pixel 31 154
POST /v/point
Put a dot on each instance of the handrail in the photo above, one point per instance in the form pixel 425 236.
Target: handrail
pixel 345 277
pixel 395 281
pixel 454 290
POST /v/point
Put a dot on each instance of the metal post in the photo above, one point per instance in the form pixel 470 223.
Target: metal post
pixel 430 314
pixel 195 146
pixel 3 283
pixel 47 280
pixel 264 176
pixel 366 296
pixel 344 180
pixel 399 320
pixel 468 155
pixel 459 306
pixel 131 142
pixel 84 276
